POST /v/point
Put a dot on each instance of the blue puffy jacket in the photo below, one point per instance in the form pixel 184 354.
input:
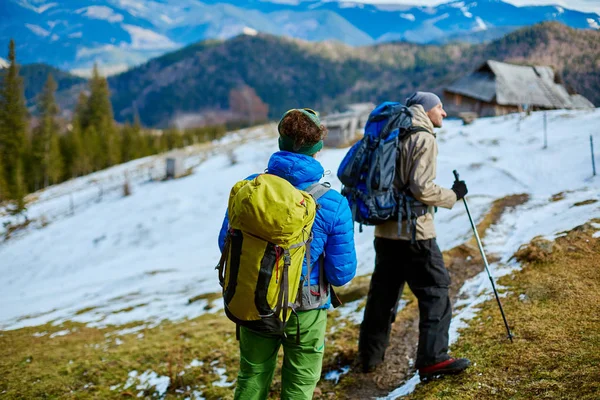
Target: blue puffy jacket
pixel 333 229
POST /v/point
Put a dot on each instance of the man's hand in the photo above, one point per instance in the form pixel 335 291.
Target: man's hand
pixel 460 188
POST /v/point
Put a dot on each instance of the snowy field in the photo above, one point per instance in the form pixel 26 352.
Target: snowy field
pixel 108 259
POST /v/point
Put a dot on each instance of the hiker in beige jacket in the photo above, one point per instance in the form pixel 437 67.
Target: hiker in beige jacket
pixel 417 167
pixel 419 262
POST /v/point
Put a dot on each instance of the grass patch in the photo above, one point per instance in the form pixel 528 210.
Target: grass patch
pixel 585 203
pixel 210 298
pixel 85 310
pixel 86 362
pixel 553 307
pixel 357 289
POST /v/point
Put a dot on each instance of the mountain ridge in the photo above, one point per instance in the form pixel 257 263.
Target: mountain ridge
pixel 119 34
pixel 287 72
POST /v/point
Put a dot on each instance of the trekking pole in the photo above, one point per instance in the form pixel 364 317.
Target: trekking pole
pixel 485 262
pixel 592 148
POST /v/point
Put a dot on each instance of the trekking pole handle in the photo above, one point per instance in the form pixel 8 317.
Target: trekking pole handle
pixel 455 172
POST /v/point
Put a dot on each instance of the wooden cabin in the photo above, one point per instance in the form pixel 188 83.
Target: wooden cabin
pixel 497 88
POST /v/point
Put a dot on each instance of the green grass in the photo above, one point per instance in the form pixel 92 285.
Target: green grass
pixel 86 362
pixel 553 307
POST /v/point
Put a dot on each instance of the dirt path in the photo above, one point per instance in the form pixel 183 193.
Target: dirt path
pixel 463 262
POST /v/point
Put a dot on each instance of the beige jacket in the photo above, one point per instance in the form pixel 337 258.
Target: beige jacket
pixel 417 165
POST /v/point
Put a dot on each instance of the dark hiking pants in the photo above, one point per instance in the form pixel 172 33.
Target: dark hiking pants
pixel 421 266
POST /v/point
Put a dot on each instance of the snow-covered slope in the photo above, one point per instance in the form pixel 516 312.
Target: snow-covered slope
pixel 104 258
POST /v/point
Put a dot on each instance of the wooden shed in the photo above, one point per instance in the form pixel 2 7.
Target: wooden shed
pixel 497 88
pixel 345 127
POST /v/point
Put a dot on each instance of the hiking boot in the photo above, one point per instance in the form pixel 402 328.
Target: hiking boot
pixel 448 367
pixel 367 367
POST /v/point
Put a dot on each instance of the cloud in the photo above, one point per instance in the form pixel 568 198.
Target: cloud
pixel 101 12
pixel 580 5
pixel 38 30
pixel 146 39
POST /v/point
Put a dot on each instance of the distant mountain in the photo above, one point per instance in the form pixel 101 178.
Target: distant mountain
pixel 198 80
pixel 118 34
pixel 288 73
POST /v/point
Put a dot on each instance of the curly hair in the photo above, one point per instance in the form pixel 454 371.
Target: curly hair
pixel 301 129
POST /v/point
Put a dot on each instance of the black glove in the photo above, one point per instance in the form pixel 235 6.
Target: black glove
pixel 460 188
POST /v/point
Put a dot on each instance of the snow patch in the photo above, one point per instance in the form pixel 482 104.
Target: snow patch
pixel 196 395
pixel 148 380
pixel 100 12
pixel 249 31
pixel 407 388
pixel 351 312
pixel 38 30
pixel 60 333
pixel 337 374
pixel 222 382
pixel 195 363
pixel 3 63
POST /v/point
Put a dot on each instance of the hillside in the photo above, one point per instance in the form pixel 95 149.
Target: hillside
pixel 108 295
pixel 287 72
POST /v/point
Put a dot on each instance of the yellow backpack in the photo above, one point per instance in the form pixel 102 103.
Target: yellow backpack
pixel 270 225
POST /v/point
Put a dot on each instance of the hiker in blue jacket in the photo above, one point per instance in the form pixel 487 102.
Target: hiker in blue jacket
pixel 301 137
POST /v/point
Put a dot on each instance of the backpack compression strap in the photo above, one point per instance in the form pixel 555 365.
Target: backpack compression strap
pixel 316 190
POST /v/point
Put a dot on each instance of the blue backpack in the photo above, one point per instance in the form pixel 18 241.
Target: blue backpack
pixel 368 170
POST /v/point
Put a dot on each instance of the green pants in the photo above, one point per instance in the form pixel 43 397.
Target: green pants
pixel 301 362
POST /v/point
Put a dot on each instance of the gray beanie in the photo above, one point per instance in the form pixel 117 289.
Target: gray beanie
pixel 427 99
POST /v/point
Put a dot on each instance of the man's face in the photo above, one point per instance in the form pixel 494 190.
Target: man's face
pixel 437 115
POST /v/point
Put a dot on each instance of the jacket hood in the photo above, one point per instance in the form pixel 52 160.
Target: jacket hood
pixel 421 119
pixel 297 169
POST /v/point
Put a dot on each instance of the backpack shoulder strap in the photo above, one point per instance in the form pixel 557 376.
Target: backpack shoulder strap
pixel 317 190
pixel 405 135
pixel 411 131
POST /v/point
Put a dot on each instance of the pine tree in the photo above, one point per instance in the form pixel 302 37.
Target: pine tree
pixel 3 189
pixel 128 144
pixel 13 126
pixel 82 159
pixel 46 158
pixel 99 114
pixel 55 160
